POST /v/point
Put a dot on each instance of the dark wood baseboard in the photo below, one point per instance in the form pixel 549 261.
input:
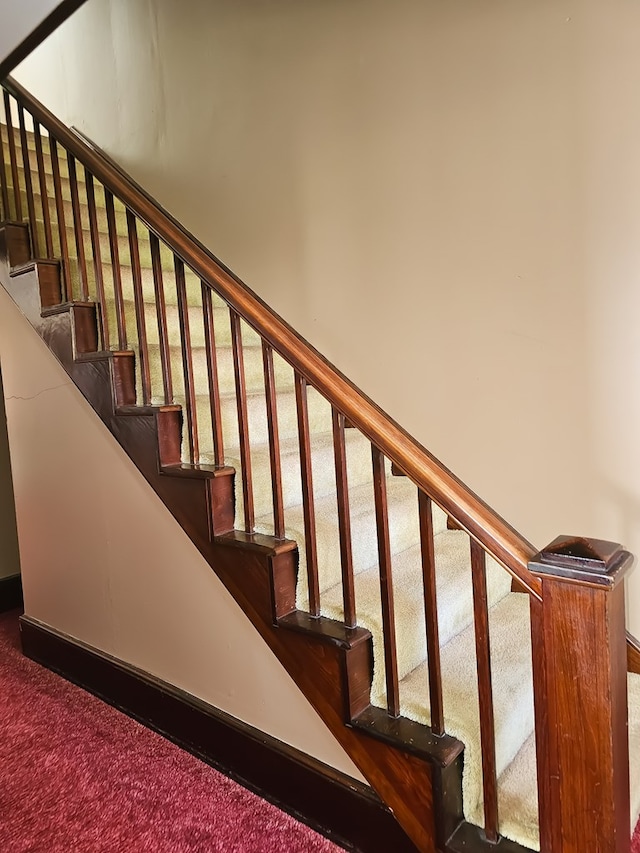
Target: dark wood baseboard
pixel 10 593
pixel 331 802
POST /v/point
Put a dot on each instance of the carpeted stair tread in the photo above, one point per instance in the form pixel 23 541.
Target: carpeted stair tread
pixel 65 192
pixel 319 417
pixel 31 139
pixel 512 691
pixel 358 451
pixel 253 368
pixel 518 812
pixel 144 246
pixel 455 607
pixel 403 528
pixel 221 316
pixel 518 792
pixel 33 161
pixel 221 322
pixel 193 287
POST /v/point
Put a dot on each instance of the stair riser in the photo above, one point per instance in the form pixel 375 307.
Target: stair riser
pixel 455 605
pixel 319 416
pixel 103 232
pixel 512 691
pixel 253 369
pixel 15 245
pixel 323 473
pixel 403 525
pixel 33 160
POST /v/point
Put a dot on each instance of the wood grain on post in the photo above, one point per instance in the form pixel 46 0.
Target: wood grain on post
pixel 580 687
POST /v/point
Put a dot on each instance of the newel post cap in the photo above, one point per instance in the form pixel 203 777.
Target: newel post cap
pixel 594 562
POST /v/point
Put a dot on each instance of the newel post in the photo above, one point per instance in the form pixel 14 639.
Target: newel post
pixel 580 688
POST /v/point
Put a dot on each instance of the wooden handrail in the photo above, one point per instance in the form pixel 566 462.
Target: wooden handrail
pixel 484 525
pixel 633 654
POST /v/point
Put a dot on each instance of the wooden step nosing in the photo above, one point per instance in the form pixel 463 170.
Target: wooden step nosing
pixel 14 223
pixel 203 472
pixel 260 542
pixel 99 355
pixel 409 736
pixel 64 308
pixel 31 264
pixel 324 629
pixel 145 411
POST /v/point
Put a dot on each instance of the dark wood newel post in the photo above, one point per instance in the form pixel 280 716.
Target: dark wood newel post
pixel 580 686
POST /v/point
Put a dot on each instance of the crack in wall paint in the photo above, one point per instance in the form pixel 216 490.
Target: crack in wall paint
pixel 38 394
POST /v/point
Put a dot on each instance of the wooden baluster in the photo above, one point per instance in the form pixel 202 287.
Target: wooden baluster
pixel 187 363
pixel 386 583
pixel 431 612
pixel 77 228
pixel 485 694
pixel 550 839
pixel 344 520
pixel 308 503
pixel 13 158
pixel 28 184
pixel 161 314
pixel 212 375
pixel 138 297
pixel 274 441
pixel 4 182
pixel 121 322
pixel 580 691
pixel 62 227
pixel 44 195
pixel 97 258
pixel 633 654
pixel 243 421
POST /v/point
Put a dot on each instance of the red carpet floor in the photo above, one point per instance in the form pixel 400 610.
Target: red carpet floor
pixel 77 776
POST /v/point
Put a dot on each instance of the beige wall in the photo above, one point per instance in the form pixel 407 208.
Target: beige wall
pixel 9 556
pixel 443 197
pixel 103 561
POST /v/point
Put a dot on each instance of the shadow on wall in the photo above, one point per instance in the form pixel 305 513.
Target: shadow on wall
pixel 618 511
pixel 9 555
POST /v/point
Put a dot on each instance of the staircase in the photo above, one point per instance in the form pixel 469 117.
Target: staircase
pixel 403 607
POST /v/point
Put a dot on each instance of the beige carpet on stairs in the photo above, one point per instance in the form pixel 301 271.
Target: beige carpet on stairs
pixel 509 612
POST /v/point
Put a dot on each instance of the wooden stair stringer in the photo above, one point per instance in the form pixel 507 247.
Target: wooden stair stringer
pixel 328 669
pixel 201 498
pixel 319 665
